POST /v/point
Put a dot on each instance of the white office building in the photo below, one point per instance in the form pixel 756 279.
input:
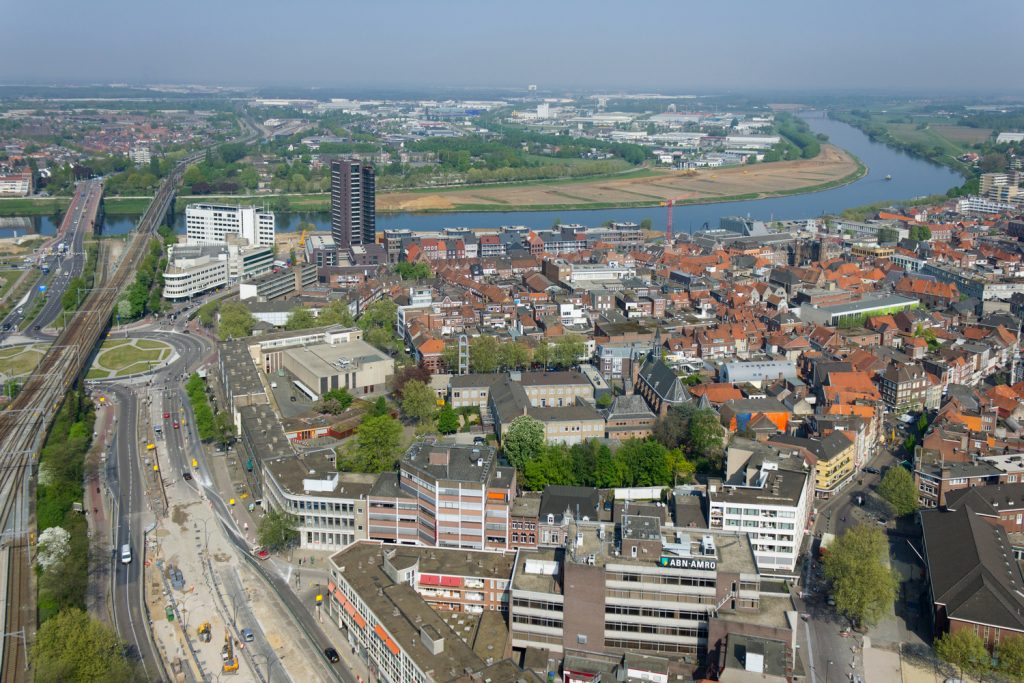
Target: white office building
pixel 186 278
pixel 768 496
pixel 212 223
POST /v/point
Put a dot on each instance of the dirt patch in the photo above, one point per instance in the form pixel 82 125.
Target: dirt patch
pixel 781 177
pixel 180 517
pixel 220 557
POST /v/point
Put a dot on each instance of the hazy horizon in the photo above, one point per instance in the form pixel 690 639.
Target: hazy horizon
pixel 680 48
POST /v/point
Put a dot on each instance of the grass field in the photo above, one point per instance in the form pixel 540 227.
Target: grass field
pixel 125 205
pixel 26 206
pixel 909 133
pixel 19 360
pixel 122 357
pixel 8 277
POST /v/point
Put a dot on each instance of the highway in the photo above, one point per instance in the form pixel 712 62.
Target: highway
pixel 79 221
pixel 124 477
pixel 82 216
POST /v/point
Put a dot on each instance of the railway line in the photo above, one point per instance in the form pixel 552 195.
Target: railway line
pixel 24 426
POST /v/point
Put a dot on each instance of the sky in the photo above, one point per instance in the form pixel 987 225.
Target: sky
pixel 678 46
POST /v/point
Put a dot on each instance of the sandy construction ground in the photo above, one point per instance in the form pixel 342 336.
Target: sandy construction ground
pixel 831 165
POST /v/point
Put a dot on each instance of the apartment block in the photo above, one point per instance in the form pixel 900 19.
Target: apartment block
pixel 444 496
pixel 212 223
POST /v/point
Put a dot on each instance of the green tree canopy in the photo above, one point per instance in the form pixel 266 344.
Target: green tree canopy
pixel 235 320
pixel 335 401
pixel 863 584
pixel 897 488
pixel 965 650
pixel 704 435
pixel 447 420
pixel 413 271
pixel 569 349
pixel 523 441
pixel 73 648
pixel 646 463
pixel 1011 656
pixel 300 319
pixel 419 401
pixel 378 444
pixel 277 530
pixel 378 322
pixel 483 354
pixel 336 313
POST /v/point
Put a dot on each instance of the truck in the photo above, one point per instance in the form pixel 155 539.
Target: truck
pixel 826 540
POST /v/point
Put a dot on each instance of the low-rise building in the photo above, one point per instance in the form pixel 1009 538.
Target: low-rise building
pixel 832 456
pixel 16 185
pixel 280 283
pixel 768 496
pixel 329 506
pixel 387 600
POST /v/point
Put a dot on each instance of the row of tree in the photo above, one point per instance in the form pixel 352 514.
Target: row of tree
pixel 637 462
pixel 490 354
pixel 210 426
pixel 145 295
pixel 696 431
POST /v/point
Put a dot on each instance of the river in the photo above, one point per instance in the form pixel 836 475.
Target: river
pixel 911 177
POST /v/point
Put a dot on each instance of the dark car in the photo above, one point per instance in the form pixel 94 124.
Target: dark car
pixel 187 475
pixel 36 327
pixel 872 470
pixel 332 655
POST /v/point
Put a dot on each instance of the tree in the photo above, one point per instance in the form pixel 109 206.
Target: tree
pixel 378 322
pixel 235 320
pixel 646 463
pixel 378 443
pixel 569 349
pixel 523 440
pixel 964 649
pixel 54 545
pixel 447 420
pixel 407 374
pixel 300 319
pixel 1011 656
pixel 483 354
pixel 646 224
pixel 514 355
pixel 419 401
pixel 604 400
pixel 335 401
pixel 277 530
pixel 704 434
pixel 207 313
pixel 450 357
pixel 72 647
pixel 670 431
pixel 225 427
pixel 413 271
pixel 863 584
pixel 378 407
pixel 337 313
pixel 897 488
pixel 543 354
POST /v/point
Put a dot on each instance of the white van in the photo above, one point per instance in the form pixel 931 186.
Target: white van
pixel 126 554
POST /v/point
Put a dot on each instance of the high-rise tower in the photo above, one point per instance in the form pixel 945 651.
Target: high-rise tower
pixel 353 203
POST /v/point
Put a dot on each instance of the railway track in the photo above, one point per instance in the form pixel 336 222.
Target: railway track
pixel 24 424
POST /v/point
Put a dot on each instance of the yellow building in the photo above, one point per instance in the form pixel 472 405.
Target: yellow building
pixel 833 458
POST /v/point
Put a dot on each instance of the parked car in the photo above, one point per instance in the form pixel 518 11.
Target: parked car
pixel 872 470
pixel 187 475
pixel 247 635
pixel 332 655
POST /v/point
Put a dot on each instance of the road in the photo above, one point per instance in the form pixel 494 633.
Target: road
pixel 124 477
pixel 79 221
pixel 830 652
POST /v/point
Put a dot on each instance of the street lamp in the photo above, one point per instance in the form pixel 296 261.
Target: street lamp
pixel 827 670
pixel 267 662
